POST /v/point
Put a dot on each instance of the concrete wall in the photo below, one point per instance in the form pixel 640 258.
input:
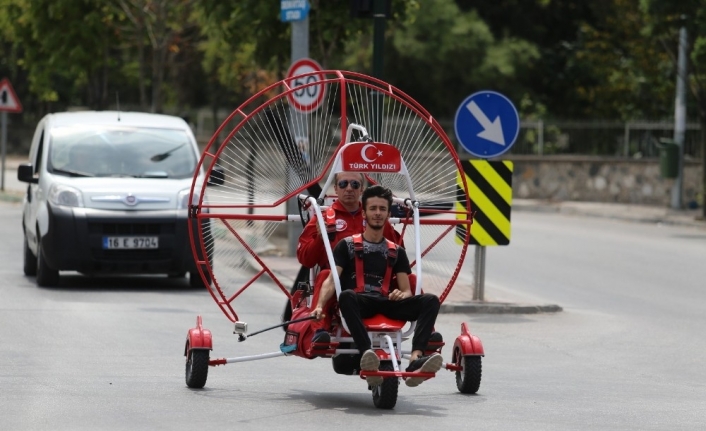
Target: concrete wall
pixel 601 179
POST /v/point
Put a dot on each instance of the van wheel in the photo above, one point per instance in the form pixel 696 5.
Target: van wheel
pixel 30 260
pixel 196 282
pixel 46 276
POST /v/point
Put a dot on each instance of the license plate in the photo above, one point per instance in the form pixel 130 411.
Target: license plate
pixel 130 242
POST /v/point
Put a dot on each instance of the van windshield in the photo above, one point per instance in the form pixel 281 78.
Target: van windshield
pixel 121 152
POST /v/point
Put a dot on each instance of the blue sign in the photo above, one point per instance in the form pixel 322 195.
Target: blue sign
pixel 486 124
pixel 293 10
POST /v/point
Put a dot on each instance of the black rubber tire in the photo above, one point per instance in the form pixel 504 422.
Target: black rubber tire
pixel 468 379
pixel 196 368
pixel 30 260
pixel 196 282
pixel 46 276
pixel 346 363
pixel 385 395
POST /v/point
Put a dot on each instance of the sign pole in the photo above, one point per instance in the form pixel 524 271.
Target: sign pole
pixel 479 274
pixel 3 143
pixel 298 122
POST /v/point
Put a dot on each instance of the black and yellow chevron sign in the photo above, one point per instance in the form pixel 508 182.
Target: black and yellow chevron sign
pixel 490 189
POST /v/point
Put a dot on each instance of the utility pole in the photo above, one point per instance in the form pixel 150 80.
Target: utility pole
pixel 379 24
pixel 680 117
pixel 379 10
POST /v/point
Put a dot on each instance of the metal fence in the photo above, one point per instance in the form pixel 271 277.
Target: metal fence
pixel 635 139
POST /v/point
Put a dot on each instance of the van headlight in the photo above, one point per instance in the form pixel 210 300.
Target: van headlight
pixel 66 196
pixel 183 199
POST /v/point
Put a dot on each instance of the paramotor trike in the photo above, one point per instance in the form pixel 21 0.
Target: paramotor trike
pixel 268 153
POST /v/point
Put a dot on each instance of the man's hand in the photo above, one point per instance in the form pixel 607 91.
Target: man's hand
pixel 318 313
pixel 397 295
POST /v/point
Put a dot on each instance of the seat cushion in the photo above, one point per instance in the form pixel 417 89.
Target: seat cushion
pixel 382 323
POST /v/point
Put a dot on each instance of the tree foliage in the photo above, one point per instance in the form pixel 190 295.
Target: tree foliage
pixel 556 58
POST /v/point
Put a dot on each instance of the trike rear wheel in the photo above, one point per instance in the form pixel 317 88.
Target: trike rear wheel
pixel 196 368
pixel 468 378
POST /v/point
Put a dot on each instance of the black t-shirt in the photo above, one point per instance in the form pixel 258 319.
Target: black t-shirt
pixel 374 263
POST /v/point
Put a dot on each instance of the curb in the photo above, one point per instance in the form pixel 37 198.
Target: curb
pixel 498 308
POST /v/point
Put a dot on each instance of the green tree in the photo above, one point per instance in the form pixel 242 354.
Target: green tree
pixel 164 28
pixel 78 58
pixel 629 73
pixel 440 55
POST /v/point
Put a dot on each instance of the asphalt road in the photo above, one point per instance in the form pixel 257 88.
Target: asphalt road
pixel 627 352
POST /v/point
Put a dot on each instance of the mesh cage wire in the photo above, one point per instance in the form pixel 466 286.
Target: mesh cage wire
pixel 269 152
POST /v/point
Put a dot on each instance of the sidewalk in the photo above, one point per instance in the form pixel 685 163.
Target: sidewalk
pixel 616 211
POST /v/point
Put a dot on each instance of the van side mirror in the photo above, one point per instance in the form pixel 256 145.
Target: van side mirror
pixel 217 176
pixel 25 173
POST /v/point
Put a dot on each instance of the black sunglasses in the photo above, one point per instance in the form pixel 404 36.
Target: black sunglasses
pixel 355 185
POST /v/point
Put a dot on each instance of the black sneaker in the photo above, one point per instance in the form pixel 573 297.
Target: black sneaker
pixel 436 337
pixel 423 364
pixel 321 337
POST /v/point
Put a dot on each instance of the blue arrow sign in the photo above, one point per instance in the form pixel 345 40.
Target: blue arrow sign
pixel 293 10
pixel 486 124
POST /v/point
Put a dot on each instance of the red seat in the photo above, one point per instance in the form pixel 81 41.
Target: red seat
pixel 380 323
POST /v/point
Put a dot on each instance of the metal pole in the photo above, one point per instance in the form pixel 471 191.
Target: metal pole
pixel 540 136
pixel 379 7
pixel 680 118
pixel 3 144
pixel 298 124
pixel 479 274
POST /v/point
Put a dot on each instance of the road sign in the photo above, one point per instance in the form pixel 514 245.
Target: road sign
pixel 309 98
pixel 9 102
pixel 490 193
pixel 486 124
pixel 293 10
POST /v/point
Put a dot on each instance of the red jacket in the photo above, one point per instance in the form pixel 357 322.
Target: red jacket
pixel 311 250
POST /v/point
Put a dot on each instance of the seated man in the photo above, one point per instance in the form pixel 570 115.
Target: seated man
pixel 343 218
pixel 365 264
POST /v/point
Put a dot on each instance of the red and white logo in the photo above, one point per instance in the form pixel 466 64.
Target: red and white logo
pixel 341 225
pixel 371 157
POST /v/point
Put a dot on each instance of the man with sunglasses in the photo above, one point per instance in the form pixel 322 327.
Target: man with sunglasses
pixel 343 218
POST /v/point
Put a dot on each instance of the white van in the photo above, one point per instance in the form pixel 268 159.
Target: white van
pixel 109 193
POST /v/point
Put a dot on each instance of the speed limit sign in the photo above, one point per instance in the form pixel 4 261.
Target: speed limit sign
pixel 308 98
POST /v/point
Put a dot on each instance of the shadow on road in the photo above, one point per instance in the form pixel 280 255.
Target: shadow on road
pixel 124 283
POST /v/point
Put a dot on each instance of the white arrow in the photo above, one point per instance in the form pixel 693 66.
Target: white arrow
pixel 491 131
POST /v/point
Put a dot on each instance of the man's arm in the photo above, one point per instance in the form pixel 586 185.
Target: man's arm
pixel 311 245
pixel 327 291
pixel 403 288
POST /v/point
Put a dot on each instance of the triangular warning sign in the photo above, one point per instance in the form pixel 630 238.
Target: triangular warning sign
pixel 8 99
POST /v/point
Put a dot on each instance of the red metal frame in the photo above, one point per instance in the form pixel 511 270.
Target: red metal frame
pixel 200 338
pixel 329 77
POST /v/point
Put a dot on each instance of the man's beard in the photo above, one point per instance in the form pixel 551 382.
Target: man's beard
pixel 376 227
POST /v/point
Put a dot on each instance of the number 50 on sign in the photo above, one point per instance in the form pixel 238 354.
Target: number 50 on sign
pixel 308 98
